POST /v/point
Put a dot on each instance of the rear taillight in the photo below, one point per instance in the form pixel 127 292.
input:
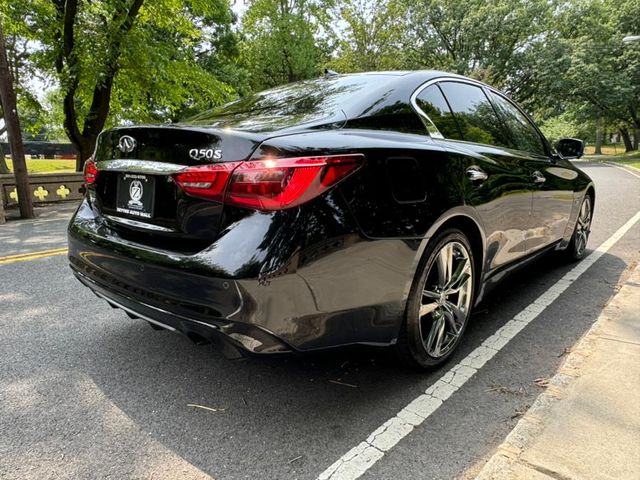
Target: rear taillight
pixel 90 171
pixel 271 184
pixel 207 181
pixel 287 182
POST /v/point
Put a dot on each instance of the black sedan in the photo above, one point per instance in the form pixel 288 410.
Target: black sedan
pixel 371 209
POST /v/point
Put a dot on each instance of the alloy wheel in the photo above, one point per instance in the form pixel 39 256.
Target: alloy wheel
pixel 446 299
pixel 583 227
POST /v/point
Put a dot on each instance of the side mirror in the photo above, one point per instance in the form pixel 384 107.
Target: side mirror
pixel 570 148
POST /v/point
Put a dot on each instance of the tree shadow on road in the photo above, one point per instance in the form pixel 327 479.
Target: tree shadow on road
pixel 317 406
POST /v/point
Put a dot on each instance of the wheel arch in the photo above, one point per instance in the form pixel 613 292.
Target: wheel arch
pixel 474 234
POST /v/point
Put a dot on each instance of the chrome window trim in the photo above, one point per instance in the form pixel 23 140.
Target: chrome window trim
pixel 434 81
pixel 432 130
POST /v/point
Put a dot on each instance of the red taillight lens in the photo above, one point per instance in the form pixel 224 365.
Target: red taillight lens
pixel 272 184
pixel 90 171
pixel 207 181
pixel 287 182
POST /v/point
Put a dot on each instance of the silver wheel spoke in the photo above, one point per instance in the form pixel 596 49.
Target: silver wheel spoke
pixel 430 294
pixel 437 348
pixel 430 342
pixel 445 264
pixel 451 319
pixel 427 309
pixel 460 278
pixel 454 309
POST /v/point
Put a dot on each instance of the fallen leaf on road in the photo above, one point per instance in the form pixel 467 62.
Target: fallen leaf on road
pixel 342 383
pixel 542 382
pixel 520 412
pixel 206 408
pixel 506 390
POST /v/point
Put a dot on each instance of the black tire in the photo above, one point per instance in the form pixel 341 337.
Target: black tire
pixel 577 248
pixel 413 349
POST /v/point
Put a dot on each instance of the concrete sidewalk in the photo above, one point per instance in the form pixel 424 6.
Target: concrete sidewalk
pixel 47 231
pixel 586 425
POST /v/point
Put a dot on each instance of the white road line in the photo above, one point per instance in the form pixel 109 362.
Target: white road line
pixel 362 457
pixel 625 169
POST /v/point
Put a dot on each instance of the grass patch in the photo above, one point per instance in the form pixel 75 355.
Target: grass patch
pixel 606 149
pixel 47 165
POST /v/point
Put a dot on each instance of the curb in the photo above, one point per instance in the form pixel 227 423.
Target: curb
pixel 604 161
pixel 506 464
pixel 628 168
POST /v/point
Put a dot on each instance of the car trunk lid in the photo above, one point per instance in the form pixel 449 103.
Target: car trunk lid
pixel 135 189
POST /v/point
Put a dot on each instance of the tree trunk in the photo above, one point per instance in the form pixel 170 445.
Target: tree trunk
pixel 636 138
pixel 12 122
pixel 599 135
pixel 626 138
pixel 4 168
pixel 84 153
pixel 67 60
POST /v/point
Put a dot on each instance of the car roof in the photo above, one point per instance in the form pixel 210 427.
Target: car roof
pixel 398 86
pixel 379 93
pixel 418 75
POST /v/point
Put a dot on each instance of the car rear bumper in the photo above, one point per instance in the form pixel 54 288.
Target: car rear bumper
pixel 244 336
pixel 344 291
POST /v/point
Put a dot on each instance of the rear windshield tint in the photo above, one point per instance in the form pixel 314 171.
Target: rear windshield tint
pixel 293 104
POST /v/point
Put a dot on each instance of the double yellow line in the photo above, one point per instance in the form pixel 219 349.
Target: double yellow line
pixel 23 257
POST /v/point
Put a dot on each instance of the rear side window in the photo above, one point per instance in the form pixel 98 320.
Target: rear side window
pixel 525 136
pixel 475 115
pixel 434 105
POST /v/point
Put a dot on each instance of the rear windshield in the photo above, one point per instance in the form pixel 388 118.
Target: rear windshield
pixel 297 103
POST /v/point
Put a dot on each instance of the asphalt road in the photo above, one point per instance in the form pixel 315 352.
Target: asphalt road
pixel 85 392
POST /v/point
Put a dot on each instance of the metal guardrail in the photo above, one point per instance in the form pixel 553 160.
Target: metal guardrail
pixel 44 187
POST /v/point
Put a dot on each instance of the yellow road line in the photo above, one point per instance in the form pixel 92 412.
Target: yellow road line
pixel 23 257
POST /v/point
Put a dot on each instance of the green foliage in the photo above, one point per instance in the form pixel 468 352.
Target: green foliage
pixel 372 37
pixel 591 73
pixel 559 127
pixel 122 61
pixel 280 44
pixel 564 60
pixel 488 39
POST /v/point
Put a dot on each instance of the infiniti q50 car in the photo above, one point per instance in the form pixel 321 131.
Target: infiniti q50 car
pixel 371 209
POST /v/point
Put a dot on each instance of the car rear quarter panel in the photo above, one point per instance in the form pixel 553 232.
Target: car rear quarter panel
pixel 404 191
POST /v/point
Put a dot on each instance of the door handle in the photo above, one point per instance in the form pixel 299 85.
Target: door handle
pixel 537 177
pixel 476 174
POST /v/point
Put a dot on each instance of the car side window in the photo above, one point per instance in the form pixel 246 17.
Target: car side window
pixel 475 115
pixel 432 102
pixel 525 136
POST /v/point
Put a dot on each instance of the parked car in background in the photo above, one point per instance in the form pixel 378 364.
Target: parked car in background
pixel 374 208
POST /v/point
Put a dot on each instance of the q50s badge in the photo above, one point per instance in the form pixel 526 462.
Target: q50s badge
pixel 205 153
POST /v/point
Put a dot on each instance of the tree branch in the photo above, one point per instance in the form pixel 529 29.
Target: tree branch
pixel 99 110
pixel 67 66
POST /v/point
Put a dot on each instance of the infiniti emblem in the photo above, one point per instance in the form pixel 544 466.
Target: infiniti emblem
pixel 127 144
